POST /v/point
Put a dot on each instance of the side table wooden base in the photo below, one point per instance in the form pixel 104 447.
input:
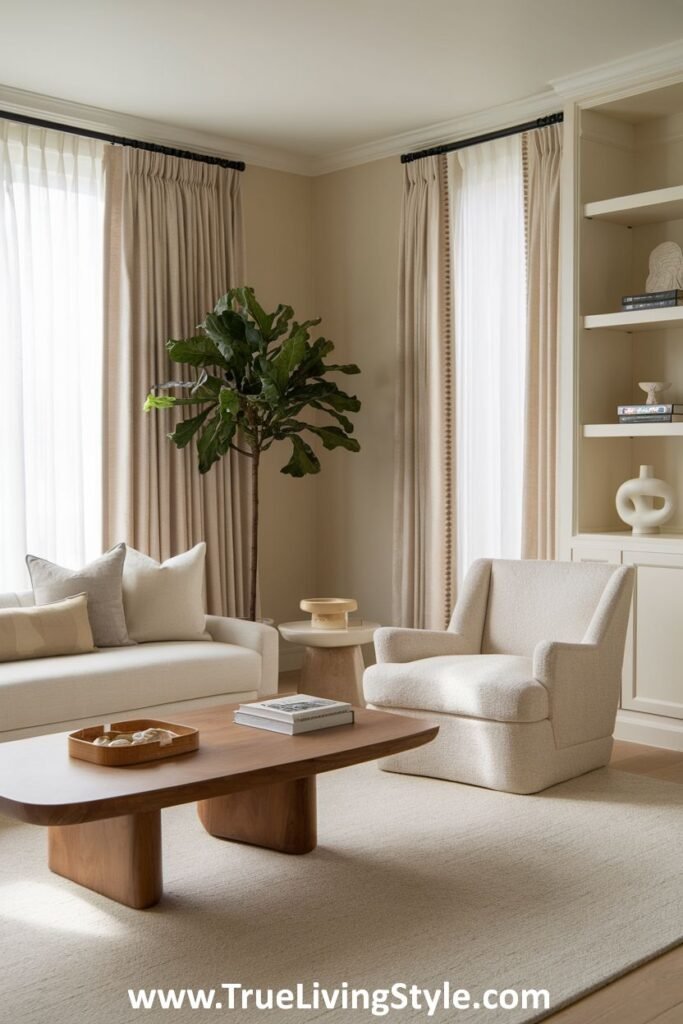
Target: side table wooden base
pixel 117 857
pixel 333 672
pixel 333 659
pixel 281 816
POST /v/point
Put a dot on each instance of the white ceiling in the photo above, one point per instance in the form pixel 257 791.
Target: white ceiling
pixel 315 77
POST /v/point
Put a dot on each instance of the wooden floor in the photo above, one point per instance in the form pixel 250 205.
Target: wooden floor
pixel 653 993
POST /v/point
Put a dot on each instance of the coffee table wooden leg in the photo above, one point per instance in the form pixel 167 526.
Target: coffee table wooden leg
pixel 117 857
pixel 281 816
pixel 333 672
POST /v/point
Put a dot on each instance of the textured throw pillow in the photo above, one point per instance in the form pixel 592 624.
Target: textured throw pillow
pixel 100 580
pixel 165 601
pixel 61 628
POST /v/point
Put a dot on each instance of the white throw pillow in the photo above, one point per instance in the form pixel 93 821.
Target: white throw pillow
pixel 165 601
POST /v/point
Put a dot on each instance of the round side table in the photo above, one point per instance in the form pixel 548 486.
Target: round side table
pixel 333 661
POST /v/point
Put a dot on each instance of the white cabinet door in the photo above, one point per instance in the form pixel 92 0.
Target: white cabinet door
pixel 653 667
pixel 585 551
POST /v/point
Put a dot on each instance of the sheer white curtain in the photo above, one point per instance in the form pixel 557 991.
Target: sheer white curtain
pixel 489 269
pixel 51 244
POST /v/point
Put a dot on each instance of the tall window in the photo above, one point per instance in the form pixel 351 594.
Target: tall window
pixel 489 269
pixel 51 242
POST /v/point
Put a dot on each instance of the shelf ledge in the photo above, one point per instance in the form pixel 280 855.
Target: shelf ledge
pixel 640 320
pixel 633 430
pixel 653 207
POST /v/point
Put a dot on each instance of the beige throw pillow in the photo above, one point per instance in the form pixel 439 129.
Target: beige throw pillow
pixel 62 628
pixel 165 601
pixel 100 580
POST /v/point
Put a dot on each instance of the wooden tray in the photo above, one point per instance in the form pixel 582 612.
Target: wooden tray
pixel 81 743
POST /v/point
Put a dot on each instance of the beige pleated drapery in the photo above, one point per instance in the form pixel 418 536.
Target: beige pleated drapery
pixel 173 246
pixel 424 507
pixel 542 154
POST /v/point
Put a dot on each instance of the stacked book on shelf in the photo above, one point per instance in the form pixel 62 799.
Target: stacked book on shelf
pixel 650 413
pixel 652 300
pixel 295 714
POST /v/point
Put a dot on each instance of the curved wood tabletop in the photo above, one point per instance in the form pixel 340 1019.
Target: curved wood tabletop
pixel 41 784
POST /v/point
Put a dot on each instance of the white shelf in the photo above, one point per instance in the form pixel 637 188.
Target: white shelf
pixel 633 430
pixel 642 208
pixel 640 320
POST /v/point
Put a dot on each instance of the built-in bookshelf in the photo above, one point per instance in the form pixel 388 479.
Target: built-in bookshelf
pixel 627 160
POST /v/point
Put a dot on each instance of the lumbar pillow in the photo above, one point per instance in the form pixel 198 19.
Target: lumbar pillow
pixel 100 580
pixel 61 628
pixel 165 601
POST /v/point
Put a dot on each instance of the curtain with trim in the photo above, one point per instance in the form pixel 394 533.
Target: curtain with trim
pixel 173 245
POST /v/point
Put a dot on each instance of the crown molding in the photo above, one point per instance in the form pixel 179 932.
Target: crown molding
pixel 663 64
pixel 439 133
pixel 19 101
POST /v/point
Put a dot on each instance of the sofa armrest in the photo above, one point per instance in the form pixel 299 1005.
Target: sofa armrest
pixel 257 637
pixel 399 645
pixel 583 684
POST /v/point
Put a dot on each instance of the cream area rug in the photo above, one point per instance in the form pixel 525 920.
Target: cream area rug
pixel 415 881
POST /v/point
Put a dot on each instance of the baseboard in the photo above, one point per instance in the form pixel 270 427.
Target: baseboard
pixel 652 730
pixel 291 657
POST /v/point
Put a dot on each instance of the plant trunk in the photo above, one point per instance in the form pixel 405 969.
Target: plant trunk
pixel 253 566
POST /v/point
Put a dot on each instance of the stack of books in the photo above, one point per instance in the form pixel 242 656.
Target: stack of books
pixel 650 413
pixel 652 300
pixel 293 715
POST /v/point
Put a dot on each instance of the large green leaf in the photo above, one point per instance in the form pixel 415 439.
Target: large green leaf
pixel 197 351
pixel 334 437
pixel 291 352
pixel 214 441
pixel 159 402
pixel 303 460
pixel 228 403
pixel 186 429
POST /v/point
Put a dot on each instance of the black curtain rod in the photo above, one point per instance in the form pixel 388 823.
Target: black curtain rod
pixel 117 140
pixel 450 147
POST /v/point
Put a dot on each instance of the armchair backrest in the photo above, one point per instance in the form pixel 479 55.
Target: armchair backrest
pixel 528 602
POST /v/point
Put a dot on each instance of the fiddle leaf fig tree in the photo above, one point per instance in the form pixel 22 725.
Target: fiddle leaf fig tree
pixel 259 379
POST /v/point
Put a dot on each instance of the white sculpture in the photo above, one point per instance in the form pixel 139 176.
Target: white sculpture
pixel 654 389
pixel 666 268
pixel 636 502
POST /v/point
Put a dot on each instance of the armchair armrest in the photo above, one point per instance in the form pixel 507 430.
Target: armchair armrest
pixel 583 685
pixel 398 645
pixel 257 637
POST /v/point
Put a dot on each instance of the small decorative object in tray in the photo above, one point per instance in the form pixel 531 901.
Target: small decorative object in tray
pixel 132 742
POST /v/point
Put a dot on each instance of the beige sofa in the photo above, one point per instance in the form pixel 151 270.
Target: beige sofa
pixel 238 663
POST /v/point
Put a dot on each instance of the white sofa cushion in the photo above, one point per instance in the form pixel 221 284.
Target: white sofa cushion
pixel 165 601
pixel 121 679
pixel 498 687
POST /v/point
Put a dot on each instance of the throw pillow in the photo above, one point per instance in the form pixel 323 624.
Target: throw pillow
pixel 61 628
pixel 165 601
pixel 100 580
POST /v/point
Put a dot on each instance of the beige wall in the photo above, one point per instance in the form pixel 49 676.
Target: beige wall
pixel 329 247
pixel 356 215
pixel 277 216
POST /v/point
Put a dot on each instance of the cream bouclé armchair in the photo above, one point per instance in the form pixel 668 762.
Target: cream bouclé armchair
pixel 524 684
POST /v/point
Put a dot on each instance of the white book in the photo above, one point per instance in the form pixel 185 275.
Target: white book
pixel 297 708
pixel 294 728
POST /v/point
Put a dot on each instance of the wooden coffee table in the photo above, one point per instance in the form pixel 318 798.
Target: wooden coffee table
pixel 252 786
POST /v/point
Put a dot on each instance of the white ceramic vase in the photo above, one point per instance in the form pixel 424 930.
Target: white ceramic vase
pixel 636 502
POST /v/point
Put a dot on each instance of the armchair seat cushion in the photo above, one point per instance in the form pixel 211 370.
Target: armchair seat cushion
pixel 496 687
